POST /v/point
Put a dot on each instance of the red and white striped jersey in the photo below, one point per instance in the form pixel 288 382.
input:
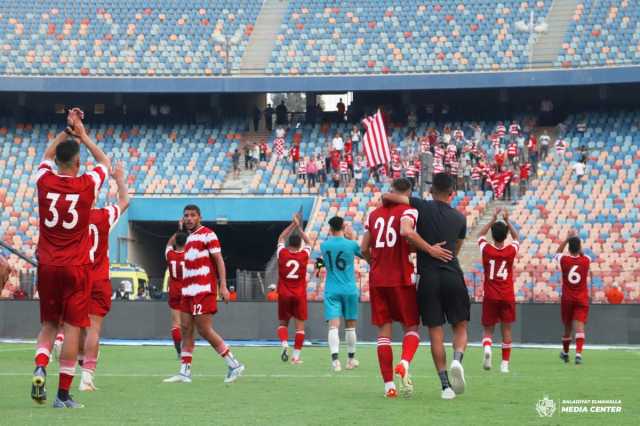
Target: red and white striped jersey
pixel 425 146
pixel 458 134
pixel 475 173
pixel 302 168
pixel 455 166
pixel 438 167
pixel 200 272
pixel 438 153
pixel 561 146
pixel 501 130
pixel 101 221
pixel 512 150
pixel 344 167
pixel 514 129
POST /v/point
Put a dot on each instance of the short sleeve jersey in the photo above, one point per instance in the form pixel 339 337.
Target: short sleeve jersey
pixel 498 270
pixel 64 206
pixel 575 273
pixel 390 262
pixel 101 223
pixel 200 273
pixel 292 271
pixel 338 254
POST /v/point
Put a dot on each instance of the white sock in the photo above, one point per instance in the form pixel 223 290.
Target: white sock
pixel 185 369
pixel 296 353
pixel 230 360
pixel 284 344
pixel 389 385
pixel 334 341
pixel 350 337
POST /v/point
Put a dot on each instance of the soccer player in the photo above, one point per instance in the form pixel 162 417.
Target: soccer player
pixel 203 269
pixel 341 295
pixel 574 304
pixel 292 286
pixel 499 304
pixel 390 229
pixel 442 293
pixel 174 255
pixel 102 222
pixel 64 267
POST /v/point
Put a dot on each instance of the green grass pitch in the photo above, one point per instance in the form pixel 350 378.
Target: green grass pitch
pixel 274 393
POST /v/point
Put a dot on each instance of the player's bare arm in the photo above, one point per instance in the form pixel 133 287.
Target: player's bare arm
pixel 437 251
pixel 572 233
pixel 365 248
pixel 123 189
pixel 303 235
pixel 97 153
pixel 488 226
pixel 50 152
pixel 512 230
pixel 395 198
pixel 222 275
pixel 282 238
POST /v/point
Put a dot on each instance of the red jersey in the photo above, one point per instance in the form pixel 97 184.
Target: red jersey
pixel 101 223
pixel 335 159
pixel 175 263
pixel 498 270
pixel 295 153
pixel 200 272
pixel 292 271
pixel 390 263
pixel 575 271
pixel 349 158
pixel 64 206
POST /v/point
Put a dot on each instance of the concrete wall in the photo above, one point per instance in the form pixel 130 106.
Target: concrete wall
pixel 537 323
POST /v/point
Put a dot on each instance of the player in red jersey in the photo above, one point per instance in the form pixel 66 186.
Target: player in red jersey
pixel 204 269
pixel 174 255
pixel 292 286
pixel 386 245
pixel 102 222
pixel 499 304
pixel 574 304
pixel 64 266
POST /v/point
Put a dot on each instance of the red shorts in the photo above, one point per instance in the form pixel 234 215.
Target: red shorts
pixel 175 295
pixel 292 306
pixel 498 311
pixel 201 304
pixel 573 311
pixel 100 301
pixel 389 304
pixel 64 294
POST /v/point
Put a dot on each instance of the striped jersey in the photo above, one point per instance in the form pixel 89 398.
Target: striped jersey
pixel 200 274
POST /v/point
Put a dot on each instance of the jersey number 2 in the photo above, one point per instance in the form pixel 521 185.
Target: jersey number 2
pixel 295 266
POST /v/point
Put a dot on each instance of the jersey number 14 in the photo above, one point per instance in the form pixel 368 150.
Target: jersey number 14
pixel 502 273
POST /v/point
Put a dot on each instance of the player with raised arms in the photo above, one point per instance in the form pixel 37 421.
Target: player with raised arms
pixel 65 199
pixel 204 269
pixel 341 294
pixel 174 255
pixel 102 222
pixel 292 286
pixel 574 303
pixel 499 303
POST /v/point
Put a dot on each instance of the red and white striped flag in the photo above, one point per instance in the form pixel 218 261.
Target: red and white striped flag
pixel 376 145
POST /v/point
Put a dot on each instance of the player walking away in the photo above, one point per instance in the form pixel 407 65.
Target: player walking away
pixel 385 244
pixel 574 304
pixel 102 222
pixel 292 287
pixel 341 295
pixel 203 266
pixel 64 266
pixel 174 255
pixel 499 304
pixel 442 293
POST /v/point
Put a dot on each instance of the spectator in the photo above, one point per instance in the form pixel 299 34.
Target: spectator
pixel 256 118
pixel 247 157
pixel 341 110
pixel 476 175
pixel 345 174
pixel 268 117
pixel 255 155
pixel 336 179
pixel 348 157
pixel 466 176
pixel 355 139
pixel 614 295
pixel 335 161
pixel 396 169
pixel 357 173
pixel 281 114
pixel 581 127
pixel 348 147
pixel 561 148
pixel 524 178
pixel 264 150
pixel 235 159
pixel 312 172
pixel 233 295
pixel 302 170
pixel 272 294
pixel 544 144
pixel 322 171
pixel 337 143
pixel 532 148
pixel 579 169
pixel 412 121
pixel 294 156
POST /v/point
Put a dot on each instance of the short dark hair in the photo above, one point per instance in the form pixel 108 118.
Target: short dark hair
pixel 67 150
pixel 181 239
pixel 401 185
pixel 295 241
pixel 442 184
pixel 575 245
pixel 499 231
pixel 336 223
pixel 193 207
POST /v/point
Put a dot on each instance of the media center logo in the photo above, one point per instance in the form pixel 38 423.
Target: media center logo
pixel 547 407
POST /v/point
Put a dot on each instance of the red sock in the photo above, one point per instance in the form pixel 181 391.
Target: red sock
pixel 283 334
pixel 67 371
pixel 43 354
pixel 579 342
pixel 60 337
pixel 186 355
pixel 410 345
pixel 299 341
pixel 506 351
pixel 176 335
pixel 566 342
pixel 486 341
pixel 385 359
